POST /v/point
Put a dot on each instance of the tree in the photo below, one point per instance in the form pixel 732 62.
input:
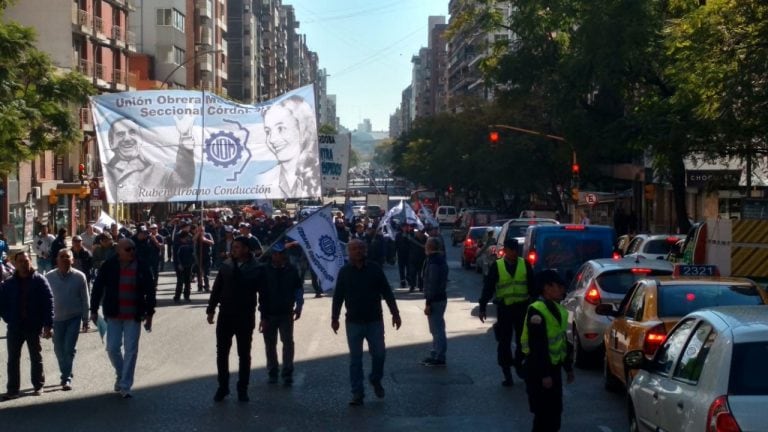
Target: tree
pixel 327 129
pixel 354 158
pixel 36 100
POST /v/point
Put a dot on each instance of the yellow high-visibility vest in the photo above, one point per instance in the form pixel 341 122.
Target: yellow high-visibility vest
pixel 555 331
pixel 512 289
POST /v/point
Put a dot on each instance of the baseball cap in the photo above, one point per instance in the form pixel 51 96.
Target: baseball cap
pixel 77 238
pixel 244 225
pixel 153 226
pixel 228 228
pixel 142 228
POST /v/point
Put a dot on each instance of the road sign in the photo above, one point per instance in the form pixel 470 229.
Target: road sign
pixel 591 198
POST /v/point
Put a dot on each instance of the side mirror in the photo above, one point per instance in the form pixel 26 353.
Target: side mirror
pixel 605 309
pixel 634 360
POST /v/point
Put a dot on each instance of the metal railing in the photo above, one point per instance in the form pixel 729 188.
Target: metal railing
pixel 85 67
pixel 118 77
pixel 117 33
pixel 98 24
pixel 85 117
pixel 99 71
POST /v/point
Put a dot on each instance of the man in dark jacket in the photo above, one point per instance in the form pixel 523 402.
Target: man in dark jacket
pixel 280 304
pixel 361 285
pixel 235 293
pixel 416 257
pixel 183 261
pixel 125 290
pixel 402 246
pixel 26 305
pixel 435 283
pixel 59 243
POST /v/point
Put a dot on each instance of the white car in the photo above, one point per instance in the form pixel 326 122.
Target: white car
pixel 709 375
pixel 447 215
pixel 651 246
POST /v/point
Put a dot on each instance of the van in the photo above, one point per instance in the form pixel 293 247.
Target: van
pixel 566 247
pixel 447 215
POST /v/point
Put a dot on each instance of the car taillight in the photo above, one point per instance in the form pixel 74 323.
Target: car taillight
pixel 672 240
pixel 616 256
pixel 469 242
pixel 719 417
pixel 641 270
pixel 532 257
pixel 500 253
pixel 575 227
pixel 593 294
pixel 653 339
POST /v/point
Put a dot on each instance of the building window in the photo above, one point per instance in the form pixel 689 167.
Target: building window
pixel 178 55
pixel 170 17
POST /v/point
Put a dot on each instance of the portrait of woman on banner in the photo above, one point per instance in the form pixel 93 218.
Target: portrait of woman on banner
pixel 291 135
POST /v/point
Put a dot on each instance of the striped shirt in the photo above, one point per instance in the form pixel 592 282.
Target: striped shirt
pixel 127 292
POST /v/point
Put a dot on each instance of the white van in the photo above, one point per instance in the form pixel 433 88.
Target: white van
pixel 447 215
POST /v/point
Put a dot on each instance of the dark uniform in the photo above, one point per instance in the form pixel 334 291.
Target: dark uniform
pixel 510 311
pixel 402 247
pixel 280 302
pixel 548 353
pixel 235 292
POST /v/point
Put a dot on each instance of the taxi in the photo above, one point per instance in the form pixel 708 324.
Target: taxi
pixel 653 306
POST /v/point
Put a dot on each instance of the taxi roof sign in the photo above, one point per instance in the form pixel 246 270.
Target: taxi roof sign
pixel 700 270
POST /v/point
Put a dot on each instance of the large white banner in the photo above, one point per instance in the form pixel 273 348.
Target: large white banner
pixel 334 160
pixel 183 145
pixel 318 238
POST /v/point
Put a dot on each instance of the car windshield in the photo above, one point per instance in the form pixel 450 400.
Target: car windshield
pixel 477 233
pixel 749 376
pixel 680 299
pixel 518 230
pixel 562 251
pixel 658 247
pixel 619 282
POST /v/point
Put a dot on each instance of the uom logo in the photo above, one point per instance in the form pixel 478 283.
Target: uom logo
pixel 223 149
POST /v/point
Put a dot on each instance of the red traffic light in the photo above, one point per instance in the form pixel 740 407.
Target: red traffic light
pixel 575 169
pixel 494 137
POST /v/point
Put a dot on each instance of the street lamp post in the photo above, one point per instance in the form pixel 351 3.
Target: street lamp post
pixel 574 161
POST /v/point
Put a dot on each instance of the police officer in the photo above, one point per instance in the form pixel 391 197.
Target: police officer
pixel 511 282
pixel 548 352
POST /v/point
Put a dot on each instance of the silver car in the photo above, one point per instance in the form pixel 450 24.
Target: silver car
pixel 601 281
pixel 708 375
pixel 651 246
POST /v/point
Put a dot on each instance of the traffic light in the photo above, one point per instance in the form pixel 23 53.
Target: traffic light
pixel 81 172
pixel 575 169
pixel 52 197
pixel 650 192
pixel 575 194
pixel 450 189
pixel 494 138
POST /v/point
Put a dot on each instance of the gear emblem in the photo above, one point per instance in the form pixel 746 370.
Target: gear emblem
pixel 327 245
pixel 224 149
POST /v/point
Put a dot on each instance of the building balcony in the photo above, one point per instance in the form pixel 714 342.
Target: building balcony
pixel 221 22
pixel 85 67
pixel 86 119
pixel 98 28
pixel 118 36
pixel 101 77
pixel 205 63
pixel 222 73
pixel 82 21
pixel 224 46
pixel 130 41
pixel 206 38
pixel 203 9
pixel 119 80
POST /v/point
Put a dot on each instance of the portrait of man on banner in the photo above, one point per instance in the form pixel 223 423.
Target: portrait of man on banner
pixel 129 168
pixel 291 134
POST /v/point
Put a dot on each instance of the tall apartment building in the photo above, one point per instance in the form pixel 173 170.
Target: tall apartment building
pixel 465 52
pixel 92 37
pixel 267 55
pixel 208 54
pixel 396 124
pixel 438 51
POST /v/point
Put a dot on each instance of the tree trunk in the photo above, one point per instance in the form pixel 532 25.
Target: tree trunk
pixel 678 192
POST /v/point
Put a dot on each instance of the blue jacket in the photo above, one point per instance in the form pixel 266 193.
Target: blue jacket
pixel 39 303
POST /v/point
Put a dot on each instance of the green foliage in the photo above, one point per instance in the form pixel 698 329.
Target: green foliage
pixel 354 158
pixel 327 129
pixel 37 101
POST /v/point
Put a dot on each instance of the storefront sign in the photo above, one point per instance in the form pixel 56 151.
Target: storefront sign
pixel 719 178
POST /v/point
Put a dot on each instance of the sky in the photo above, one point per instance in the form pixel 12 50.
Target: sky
pixel 366 47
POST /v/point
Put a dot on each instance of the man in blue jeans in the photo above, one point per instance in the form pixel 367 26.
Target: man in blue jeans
pixel 127 286
pixel 360 286
pixel 435 283
pixel 70 309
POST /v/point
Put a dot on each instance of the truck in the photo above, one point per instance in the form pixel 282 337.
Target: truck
pixel 736 247
pixel 376 204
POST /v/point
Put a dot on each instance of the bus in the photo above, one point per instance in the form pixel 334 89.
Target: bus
pixel 425 198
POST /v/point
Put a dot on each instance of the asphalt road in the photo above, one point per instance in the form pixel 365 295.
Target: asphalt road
pixel 176 378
